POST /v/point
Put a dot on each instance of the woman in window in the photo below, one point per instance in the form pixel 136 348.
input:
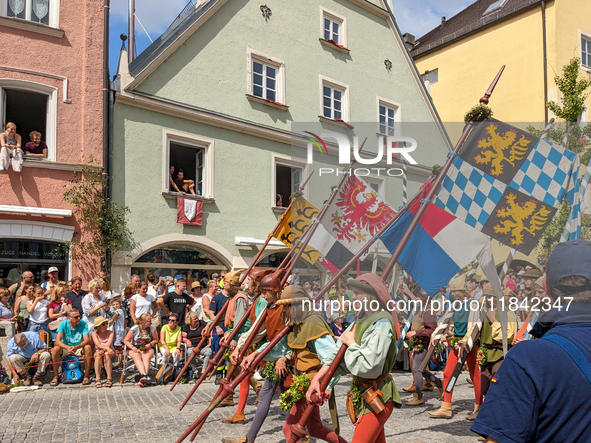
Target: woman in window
pixel 10 149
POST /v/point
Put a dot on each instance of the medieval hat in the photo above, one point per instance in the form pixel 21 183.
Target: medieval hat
pixel 534 273
pixel 233 277
pixel 292 294
pixel 271 282
pixel 372 284
pixel 333 293
pixel 257 274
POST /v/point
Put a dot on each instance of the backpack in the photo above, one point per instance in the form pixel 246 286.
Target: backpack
pixel 71 371
pixel 165 374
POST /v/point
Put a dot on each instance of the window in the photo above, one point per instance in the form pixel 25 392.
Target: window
pixel 333 27
pixel 586 51
pixel 31 107
pixel 192 155
pixel 387 120
pixel 45 12
pixel 288 179
pixel 266 78
pixel 495 6
pixel 431 76
pixel 332 99
pixel 374 184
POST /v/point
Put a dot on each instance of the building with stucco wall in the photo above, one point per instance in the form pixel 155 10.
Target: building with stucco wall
pixel 226 93
pixel 51 81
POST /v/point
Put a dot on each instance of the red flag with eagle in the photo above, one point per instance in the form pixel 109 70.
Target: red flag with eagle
pixel 355 215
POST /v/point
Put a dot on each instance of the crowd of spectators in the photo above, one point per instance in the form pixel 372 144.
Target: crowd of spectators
pixel 53 321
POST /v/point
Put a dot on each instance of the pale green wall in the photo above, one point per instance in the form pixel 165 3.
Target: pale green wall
pixel 210 69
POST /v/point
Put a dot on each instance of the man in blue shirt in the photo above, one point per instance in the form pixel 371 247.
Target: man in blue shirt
pixel 72 339
pixel 24 348
pixel 541 392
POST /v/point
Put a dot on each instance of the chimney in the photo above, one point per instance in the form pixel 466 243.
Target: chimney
pixel 409 40
pixel 443 20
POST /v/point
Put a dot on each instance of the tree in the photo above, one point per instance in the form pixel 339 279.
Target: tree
pixel 102 220
pixel 573 89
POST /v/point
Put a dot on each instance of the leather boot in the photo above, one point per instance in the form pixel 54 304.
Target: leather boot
pixel 228 401
pixel 415 400
pixel 238 440
pixel 474 413
pixel 441 393
pixel 411 388
pixel 236 419
pixel 257 390
pixel 481 439
pixel 428 386
pixel 443 412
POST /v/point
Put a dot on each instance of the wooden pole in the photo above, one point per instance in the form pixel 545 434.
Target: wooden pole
pixel 298 430
pixel 244 318
pixel 229 388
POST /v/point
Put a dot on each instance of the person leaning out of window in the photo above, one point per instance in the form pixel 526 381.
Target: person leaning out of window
pixel 36 147
pixel 10 149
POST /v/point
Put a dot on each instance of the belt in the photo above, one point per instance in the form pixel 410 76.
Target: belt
pixel 484 345
pixel 373 383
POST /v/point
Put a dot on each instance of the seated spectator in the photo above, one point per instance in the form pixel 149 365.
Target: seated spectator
pixel 38 309
pixel 184 185
pixel 72 339
pixel 58 309
pixel 140 342
pixel 171 182
pixel 10 149
pixel 103 351
pixel 36 147
pixel 170 339
pixel 20 306
pixel 94 304
pixel 192 334
pixel 23 348
pixel 6 314
pixel 337 326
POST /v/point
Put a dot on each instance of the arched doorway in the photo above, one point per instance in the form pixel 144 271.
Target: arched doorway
pixel 189 261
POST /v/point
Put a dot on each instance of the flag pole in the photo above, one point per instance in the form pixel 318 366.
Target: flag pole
pixel 223 310
pixel 228 389
pixel 298 430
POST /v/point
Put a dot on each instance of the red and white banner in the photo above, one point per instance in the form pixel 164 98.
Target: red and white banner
pixel 189 211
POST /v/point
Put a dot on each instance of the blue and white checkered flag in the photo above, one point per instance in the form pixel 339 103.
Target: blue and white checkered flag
pixel 576 197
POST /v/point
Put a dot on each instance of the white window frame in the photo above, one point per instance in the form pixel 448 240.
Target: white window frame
pixel 191 141
pixel 253 55
pixel 375 180
pixel 586 36
pixel 284 160
pixel 345 103
pixel 397 117
pixel 334 17
pixel 54 12
pixel 50 134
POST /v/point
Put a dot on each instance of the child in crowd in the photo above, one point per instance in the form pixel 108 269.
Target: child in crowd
pixel 117 324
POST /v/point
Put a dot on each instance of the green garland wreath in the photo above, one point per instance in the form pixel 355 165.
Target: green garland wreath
pixel 295 393
pixel 454 341
pixel 439 348
pixel 356 397
pixel 482 357
pixel 415 345
pixel 269 372
pixel 227 353
pixel 478 113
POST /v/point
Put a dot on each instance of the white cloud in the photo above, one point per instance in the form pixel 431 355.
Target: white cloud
pixel 420 16
pixel 155 15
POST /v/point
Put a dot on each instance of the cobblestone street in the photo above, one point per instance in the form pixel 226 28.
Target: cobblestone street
pixel 131 414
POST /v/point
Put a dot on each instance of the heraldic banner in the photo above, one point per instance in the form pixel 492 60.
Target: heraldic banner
pixel 354 216
pixel 189 211
pixel 507 183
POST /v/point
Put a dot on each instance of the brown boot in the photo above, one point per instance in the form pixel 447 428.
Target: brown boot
pixel 415 400
pixel 441 393
pixel 238 440
pixel 228 401
pixel 443 412
pixel 236 419
pixel 411 388
pixel 474 413
pixel 257 390
pixel 481 439
pixel 428 386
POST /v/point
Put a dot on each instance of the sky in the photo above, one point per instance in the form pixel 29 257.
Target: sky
pixel 414 16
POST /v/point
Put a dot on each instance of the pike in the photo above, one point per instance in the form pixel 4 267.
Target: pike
pixel 298 430
pixel 242 321
pixel 475 334
pixel 228 389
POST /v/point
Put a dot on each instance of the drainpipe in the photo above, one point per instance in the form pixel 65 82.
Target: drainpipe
pixel 543 6
pixel 106 113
